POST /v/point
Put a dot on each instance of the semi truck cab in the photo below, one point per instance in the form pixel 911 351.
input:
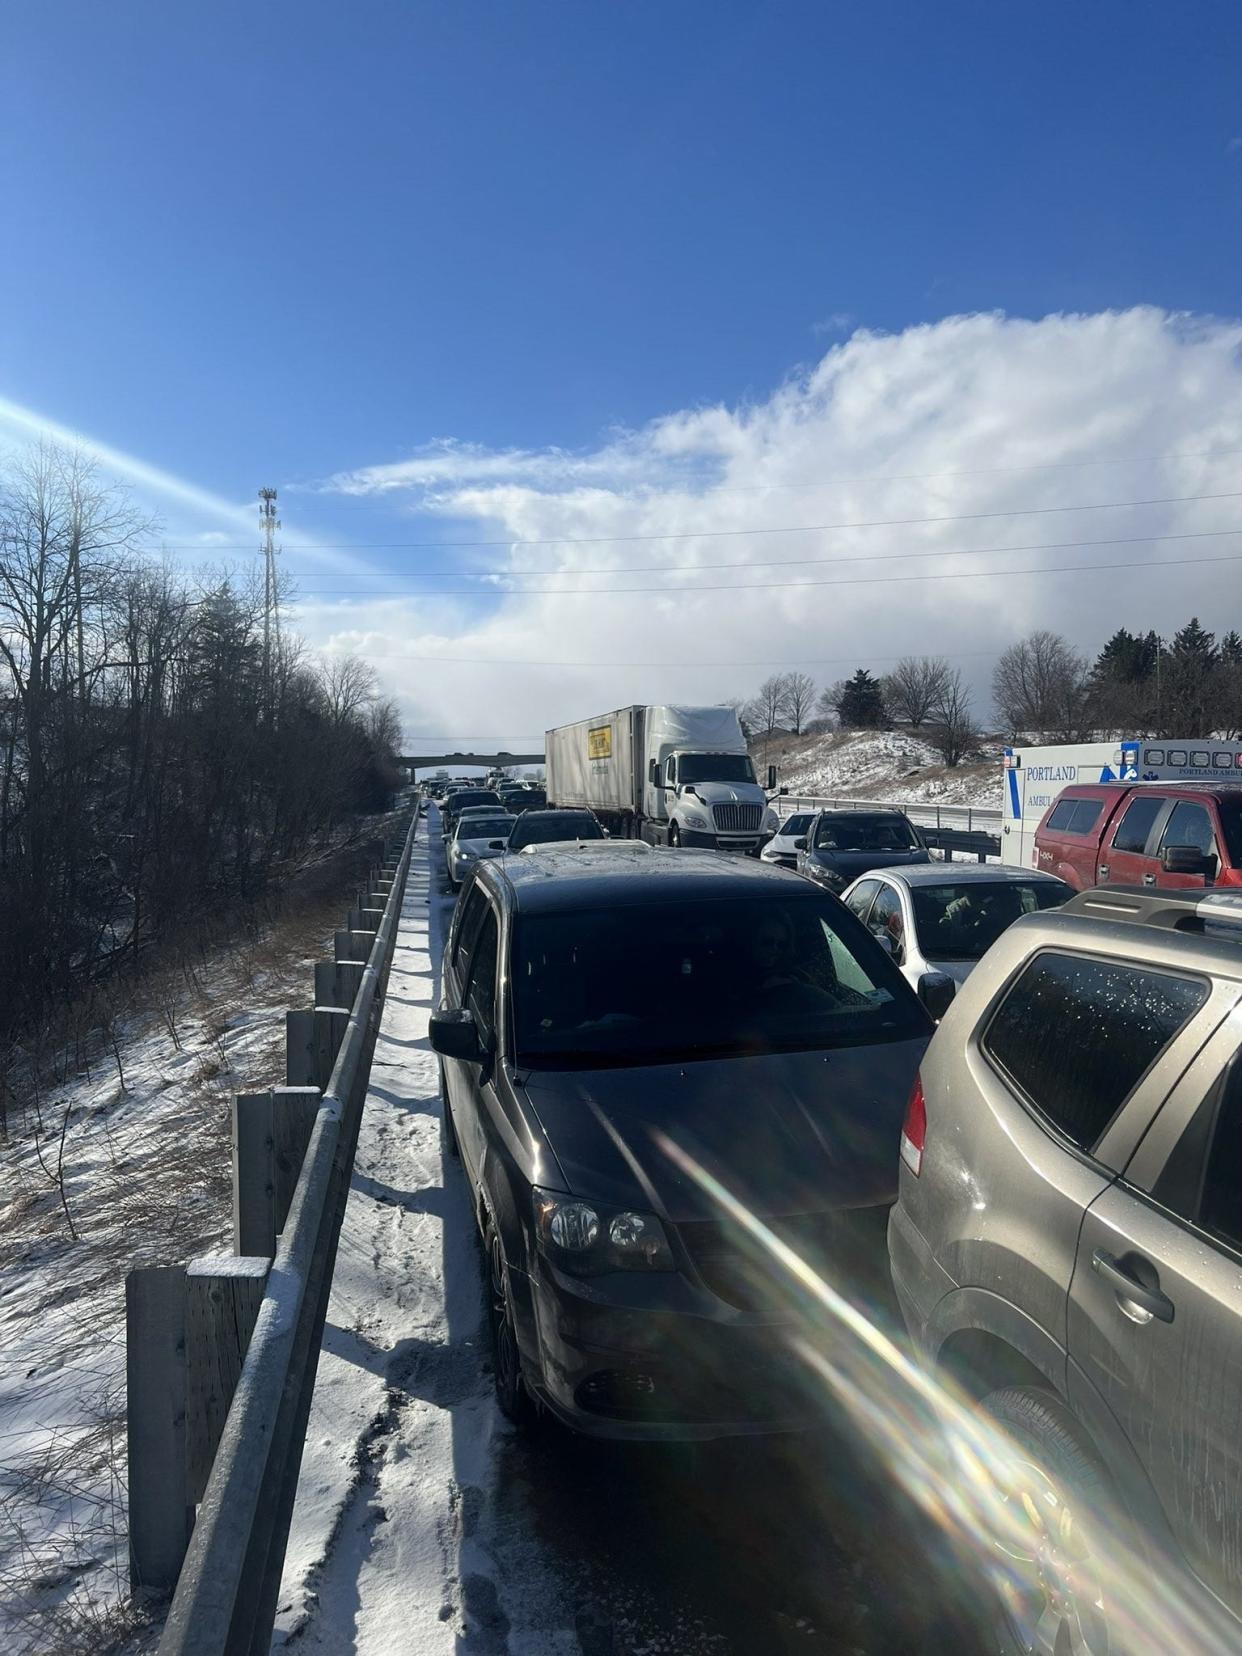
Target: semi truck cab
pixel 707 799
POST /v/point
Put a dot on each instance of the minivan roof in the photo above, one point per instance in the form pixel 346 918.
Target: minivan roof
pixel 578 879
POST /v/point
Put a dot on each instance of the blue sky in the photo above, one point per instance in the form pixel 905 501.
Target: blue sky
pixel 276 243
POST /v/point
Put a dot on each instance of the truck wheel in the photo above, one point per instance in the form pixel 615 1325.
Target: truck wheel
pixel 674 836
pixel 1056 1524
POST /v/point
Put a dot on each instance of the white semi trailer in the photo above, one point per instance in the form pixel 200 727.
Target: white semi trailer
pixel 671 775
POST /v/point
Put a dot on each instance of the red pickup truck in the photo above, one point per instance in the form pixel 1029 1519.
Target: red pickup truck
pixel 1168 834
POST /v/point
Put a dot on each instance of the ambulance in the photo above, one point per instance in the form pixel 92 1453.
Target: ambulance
pixel 1034 776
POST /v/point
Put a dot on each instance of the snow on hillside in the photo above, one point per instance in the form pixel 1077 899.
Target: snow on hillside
pixel 883 765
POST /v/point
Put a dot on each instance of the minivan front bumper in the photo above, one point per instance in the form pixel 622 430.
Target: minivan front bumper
pixel 645 1358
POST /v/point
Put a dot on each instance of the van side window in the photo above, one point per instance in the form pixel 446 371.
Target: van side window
pixel 1135 825
pixel 1076 1035
pixel 481 990
pixel 1189 824
pixel 472 912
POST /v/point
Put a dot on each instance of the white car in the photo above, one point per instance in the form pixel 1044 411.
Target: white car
pixel 937 920
pixel 780 849
pixel 478 834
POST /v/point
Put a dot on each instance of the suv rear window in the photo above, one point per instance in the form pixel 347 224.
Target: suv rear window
pixel 1075 1035
pixel 1075 816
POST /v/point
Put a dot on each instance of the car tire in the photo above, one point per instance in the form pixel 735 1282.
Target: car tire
pixel 1055 1530
pixel 448 1131
pixel 511 1395
pixel 674 837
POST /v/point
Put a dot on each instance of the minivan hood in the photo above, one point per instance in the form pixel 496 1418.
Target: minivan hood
pixel 789 1132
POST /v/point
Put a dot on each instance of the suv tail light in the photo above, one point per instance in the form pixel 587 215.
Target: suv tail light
pixel 914 1129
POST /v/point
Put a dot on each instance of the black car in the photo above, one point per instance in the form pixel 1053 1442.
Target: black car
pixel 840 845
pixel 461 801
pixel 552 827
pixel 605 1025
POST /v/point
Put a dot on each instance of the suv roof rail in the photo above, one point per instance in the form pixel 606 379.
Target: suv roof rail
pixel 1188 911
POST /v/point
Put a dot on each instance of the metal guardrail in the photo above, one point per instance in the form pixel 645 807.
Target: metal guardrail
pixel 972 829
pixel 965 817
pixel 226 1594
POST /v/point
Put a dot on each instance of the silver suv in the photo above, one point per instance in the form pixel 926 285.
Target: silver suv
pixel 1067 1248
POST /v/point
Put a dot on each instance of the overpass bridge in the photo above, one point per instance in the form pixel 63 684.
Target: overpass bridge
pixel 434 761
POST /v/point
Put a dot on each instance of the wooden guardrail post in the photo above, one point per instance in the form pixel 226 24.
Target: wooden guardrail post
pixel 330 1023
pixel 270 1133
pixel 337 981
pixel 223 1294
pixel 353 945
pixel 161 1512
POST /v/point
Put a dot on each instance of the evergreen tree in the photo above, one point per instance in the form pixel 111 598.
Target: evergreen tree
pixel 860 703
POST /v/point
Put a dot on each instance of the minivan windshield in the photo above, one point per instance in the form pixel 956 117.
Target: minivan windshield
pixel 961 922
pixel 667 981
pixel 858 832
pixel 715 767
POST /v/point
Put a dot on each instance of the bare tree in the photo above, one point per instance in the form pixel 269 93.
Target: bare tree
pixel 771 703
pixel 349 686
pixel 914 688
pixel 828 702
pixel 799 699
pixel 951 724
pixel 1040 686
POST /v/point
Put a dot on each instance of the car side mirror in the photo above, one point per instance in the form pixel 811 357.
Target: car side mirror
pixel 453 1033
pixel 495 845
pixel 782 792
pixel 800 843
pixel 1187 859
pixel 936 991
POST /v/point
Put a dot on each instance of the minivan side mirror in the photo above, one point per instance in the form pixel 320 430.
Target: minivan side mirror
pixel 800 843
pixel 936 991
pixel 453 1033
pixel 1187 859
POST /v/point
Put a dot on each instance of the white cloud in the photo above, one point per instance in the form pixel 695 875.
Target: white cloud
pixel 972 415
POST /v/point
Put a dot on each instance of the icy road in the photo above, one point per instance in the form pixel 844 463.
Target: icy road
pixel 425 1525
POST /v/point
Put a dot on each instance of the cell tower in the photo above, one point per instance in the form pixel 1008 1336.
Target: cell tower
pixel 271 600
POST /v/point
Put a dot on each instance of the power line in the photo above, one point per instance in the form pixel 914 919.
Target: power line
pixel 751 563
pixel 718 534
pixel 860 580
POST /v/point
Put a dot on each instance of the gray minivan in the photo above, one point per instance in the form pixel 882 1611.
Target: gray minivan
pixel 1067 1248
pixel 609 1018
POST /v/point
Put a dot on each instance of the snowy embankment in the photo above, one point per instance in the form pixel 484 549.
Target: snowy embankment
pixel 882 765
pixel 145 1157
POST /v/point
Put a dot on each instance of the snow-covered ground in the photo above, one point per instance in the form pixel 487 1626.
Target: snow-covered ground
pixel 885 765
pixel 147 1180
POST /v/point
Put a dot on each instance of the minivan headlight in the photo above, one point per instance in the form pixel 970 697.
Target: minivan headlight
pixel 586 1239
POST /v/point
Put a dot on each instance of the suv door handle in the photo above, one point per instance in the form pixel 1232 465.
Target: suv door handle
pixel 1103 871
pixel 1127 1286
pixel 1149 879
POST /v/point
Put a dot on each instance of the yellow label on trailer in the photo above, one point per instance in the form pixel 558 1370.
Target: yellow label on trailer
pixel 599 742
